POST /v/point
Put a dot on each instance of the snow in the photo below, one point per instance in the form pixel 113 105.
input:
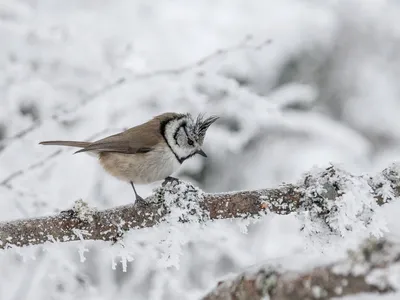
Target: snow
pixel 337 203
pixel 82 211
pixel 297 84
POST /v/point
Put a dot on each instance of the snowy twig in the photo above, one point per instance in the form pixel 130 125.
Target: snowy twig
pixel 321 194
pixel 244 44
pixel 366 270
pixel 57 117
pixel 6 182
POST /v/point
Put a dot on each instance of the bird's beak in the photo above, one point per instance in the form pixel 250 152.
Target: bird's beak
pixel 201 152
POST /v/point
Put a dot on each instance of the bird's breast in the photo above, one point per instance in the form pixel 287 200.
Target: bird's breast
pixel 141 168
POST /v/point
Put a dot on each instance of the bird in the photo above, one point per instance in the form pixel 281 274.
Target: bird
pixel 149 152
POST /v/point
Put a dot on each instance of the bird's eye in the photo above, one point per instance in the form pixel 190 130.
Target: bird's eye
pixel 190 142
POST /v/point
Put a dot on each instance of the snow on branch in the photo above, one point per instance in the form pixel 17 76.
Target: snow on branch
pixel 331 197
pixel 370 269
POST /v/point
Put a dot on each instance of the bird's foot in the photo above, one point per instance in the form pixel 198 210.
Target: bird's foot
pixel 169 179
pixel 68 212
pixel 140 201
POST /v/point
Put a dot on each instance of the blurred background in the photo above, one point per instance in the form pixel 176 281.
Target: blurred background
pixel 297 84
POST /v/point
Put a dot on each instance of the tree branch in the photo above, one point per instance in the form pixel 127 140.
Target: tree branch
pixel 319 193
pixel 364 271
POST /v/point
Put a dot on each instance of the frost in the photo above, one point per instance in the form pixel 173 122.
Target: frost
pixel 378 278
pixel 125 255
pixel 183 204
pixel 266 281
pixel 81 250
pixel 318 292
pixel 377 260
pixel 81 247
pixel 244 224
pixel 171 248
pixel 82 211
pixel 339 204
pixel 386 181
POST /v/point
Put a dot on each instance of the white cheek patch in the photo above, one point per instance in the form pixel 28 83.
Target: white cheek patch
pixel 170 131
pixel 171 128
pixel 180 152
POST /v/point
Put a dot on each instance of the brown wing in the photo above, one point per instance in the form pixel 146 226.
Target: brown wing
pixel 139 139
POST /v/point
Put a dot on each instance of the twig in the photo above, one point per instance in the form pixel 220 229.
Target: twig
pixel 86 100
pixel 120 81
pixel 6 182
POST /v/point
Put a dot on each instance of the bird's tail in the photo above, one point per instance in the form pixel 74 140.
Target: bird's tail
pixel 66 143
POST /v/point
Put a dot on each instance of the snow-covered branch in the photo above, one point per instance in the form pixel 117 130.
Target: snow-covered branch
pixel 367 270
pixel 322 195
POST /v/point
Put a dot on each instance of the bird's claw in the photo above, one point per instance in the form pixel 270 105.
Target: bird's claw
pixel 140 201
pixel 68 212
pixel 169 179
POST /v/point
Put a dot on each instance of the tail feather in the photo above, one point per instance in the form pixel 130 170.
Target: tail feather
pixel 66 143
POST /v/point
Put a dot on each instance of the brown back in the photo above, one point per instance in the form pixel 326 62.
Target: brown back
pixel 138 139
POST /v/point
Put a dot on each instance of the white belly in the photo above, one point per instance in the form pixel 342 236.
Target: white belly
pixel 142 168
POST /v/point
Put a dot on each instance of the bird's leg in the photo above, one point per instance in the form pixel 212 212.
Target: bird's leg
pixel 139 200
pixel 169 179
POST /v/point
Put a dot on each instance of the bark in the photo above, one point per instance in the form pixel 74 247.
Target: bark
pixel 371 269
pixel 183 202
